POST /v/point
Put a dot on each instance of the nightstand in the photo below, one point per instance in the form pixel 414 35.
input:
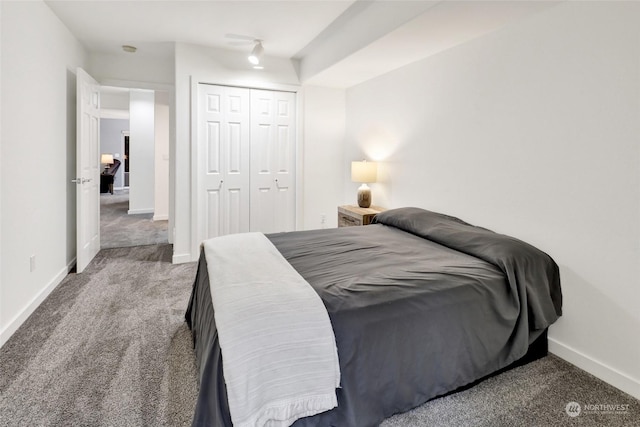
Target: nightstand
pixel 350 215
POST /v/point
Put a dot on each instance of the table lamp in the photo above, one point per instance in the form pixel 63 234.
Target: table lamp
pixel 106 159
pixel 364 172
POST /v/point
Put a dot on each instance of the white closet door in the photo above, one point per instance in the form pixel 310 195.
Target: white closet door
pixel 273 136
pixel 223 192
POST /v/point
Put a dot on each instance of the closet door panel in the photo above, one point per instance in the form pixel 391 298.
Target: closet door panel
pixel 234 211
pixel 212 148
pixel 222 161
pixel 237 160
pixel 273 161
pixel 245 161
pixel 262 183
pixel 235 154
pixel 285 207
pixel 262 146
pixel 261 210
pixel 212 211
pixel 285 159
pixel 209 156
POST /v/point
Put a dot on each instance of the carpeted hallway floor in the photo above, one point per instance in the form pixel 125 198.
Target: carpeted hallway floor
pixel 109 347
pixel 118 229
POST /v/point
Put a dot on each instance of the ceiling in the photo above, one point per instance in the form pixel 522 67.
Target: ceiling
pixel 336 43
pixel 285 26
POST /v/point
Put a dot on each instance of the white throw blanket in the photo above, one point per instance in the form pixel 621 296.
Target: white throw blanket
pixel 278 348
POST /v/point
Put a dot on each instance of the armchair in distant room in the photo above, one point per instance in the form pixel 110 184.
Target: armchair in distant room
pixel 107 177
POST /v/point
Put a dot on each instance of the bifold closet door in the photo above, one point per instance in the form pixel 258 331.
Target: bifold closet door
pixel 223 191
pixel 273 136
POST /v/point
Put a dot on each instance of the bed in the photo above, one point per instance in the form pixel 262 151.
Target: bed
pixel 421 304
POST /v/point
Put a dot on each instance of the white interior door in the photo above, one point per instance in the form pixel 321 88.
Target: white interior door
pixel 222 161
pixel 273 137
pixel 88 169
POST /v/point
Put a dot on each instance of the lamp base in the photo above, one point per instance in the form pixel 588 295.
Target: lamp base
pixel 364 196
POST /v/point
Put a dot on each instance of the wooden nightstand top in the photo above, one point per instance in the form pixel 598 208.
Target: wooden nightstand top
pixel 350 215
pixel 357 210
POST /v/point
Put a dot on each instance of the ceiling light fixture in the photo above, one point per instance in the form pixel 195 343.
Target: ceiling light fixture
pixel 256 53
pixel 130 49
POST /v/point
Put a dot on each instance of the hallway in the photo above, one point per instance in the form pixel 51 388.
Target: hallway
pixel 118 229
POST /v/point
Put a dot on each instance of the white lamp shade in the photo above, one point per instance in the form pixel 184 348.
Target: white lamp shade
pixel 364 171
pixel 106 159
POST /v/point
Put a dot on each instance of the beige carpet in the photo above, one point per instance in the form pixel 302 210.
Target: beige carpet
pixel 118 229
pixel 109 347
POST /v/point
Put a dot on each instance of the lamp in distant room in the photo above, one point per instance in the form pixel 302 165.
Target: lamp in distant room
pixel 106 159
pixel 364 172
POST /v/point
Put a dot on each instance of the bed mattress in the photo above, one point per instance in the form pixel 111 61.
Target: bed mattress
pixel 421 304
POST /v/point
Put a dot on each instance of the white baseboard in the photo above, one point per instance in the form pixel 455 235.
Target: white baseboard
pixel 139 211
pixel 181 258
pixel 20 318
pixel 161 217
pixel 596 368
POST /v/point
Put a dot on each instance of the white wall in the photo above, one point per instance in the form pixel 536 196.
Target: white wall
pixel 324 128
pixel 532 131
pixel 161 161
pixel 136 70
pixel 213 66
pixel 114 103
pixel 39 59
pixel 141 151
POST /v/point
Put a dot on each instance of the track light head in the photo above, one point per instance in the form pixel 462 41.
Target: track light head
pixel 256 53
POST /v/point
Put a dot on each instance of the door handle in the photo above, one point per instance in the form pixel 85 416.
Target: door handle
pixel 81 180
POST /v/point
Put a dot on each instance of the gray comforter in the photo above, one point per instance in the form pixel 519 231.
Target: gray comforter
pixel 420 303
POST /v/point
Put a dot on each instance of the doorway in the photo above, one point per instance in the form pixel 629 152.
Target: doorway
pixel 125 222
